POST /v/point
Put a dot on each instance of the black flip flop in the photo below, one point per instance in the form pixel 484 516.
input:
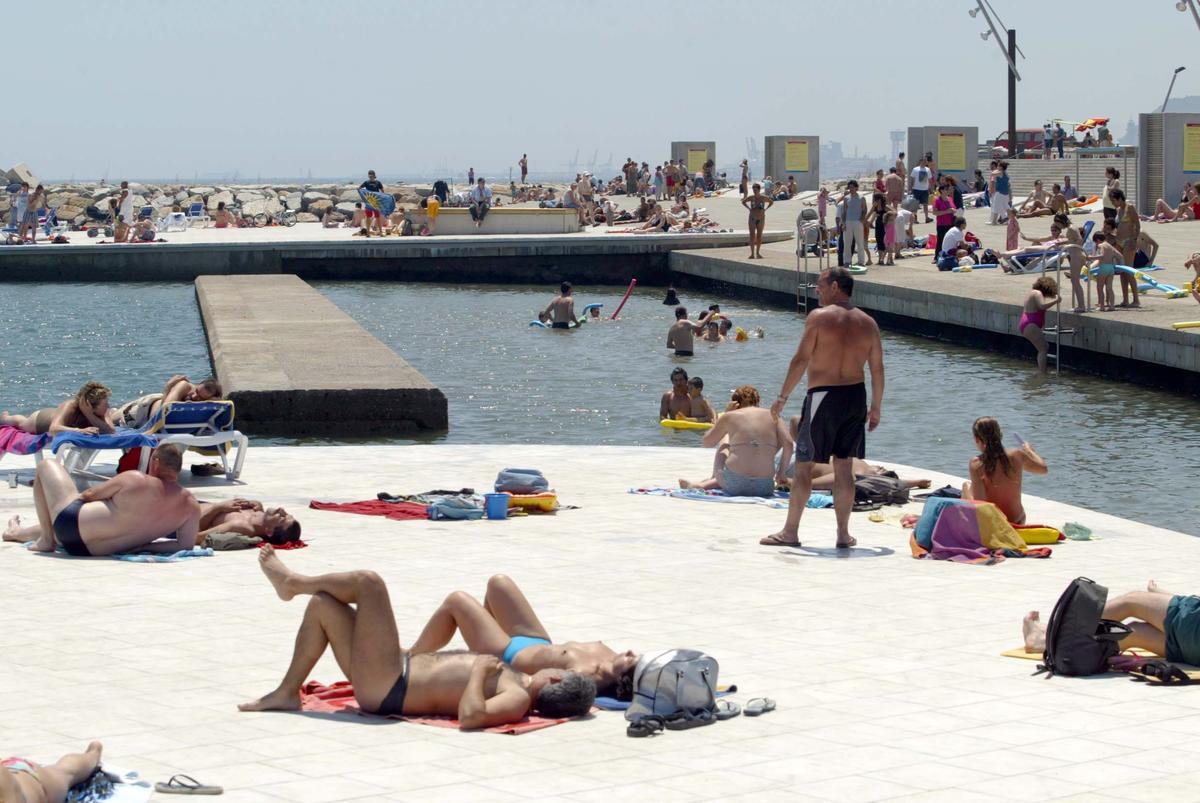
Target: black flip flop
pixel 684 721
pixel 645 726
pixel 186 785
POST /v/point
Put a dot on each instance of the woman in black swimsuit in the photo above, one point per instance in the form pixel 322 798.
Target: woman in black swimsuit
pixel 758 204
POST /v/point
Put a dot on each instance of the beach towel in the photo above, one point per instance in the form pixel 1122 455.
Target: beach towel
pixel 121 439
pixel 381 202
pixel 145 557
pixel 971 532
pixel 20 442
pixel 111 785
pixel 400 511
pixel 817 499
pixel 338 698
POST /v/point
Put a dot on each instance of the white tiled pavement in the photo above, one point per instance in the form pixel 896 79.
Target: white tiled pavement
pixel 886 670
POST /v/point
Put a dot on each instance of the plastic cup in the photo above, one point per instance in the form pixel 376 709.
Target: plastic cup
pixel 495 506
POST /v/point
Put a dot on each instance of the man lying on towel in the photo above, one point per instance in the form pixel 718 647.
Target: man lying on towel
pixel 128 513
pixel 477 689
pixel 248 517
pixel 1165 624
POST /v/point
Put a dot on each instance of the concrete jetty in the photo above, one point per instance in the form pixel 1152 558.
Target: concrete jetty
pixel 297 365
pixel 312 252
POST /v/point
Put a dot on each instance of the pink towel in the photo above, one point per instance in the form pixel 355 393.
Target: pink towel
pixel 20 442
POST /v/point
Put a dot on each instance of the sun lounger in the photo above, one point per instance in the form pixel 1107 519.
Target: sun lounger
pixel 76 450
pixel 1042 261
pixel 197 216
pixel 206 427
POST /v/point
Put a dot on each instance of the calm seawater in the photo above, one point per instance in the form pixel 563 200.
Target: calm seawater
pixel 1112 447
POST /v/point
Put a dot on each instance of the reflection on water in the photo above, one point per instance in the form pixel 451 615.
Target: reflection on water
pixel 131 337
pixel 1113 447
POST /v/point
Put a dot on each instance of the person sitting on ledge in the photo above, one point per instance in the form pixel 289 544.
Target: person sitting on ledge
pixel 87 412
pixel 223 218
pixel 352 613
pixel 128 513
pixel 359 219
pixel 1165 624
pixel 331 219
pixel 24 781
pixel 747 438
pixel 248 517
pixel 996 472
pixel 139 412
pixel 506 626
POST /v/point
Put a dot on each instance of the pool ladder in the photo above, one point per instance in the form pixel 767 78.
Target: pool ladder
pixel 1057 330
pixel 803 249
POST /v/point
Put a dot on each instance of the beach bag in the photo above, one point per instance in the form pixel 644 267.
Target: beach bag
pixel 947 262
pixel 880 489
pixel 675 682
pixel 454 508
pixel 521 481
pixel 1079 641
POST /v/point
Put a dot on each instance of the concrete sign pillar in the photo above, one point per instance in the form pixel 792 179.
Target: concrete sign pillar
pixel 955 149
pixel 795 156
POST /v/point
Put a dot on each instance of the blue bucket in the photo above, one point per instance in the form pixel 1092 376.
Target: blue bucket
pixel 495 506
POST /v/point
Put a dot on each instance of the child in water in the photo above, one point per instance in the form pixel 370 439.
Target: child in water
pixel 701 409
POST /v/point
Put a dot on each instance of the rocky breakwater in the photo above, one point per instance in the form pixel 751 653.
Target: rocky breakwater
pixel 79 204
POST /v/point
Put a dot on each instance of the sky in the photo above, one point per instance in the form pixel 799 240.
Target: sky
pixel 147 89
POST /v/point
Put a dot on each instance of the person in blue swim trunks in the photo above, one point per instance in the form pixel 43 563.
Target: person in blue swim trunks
pixel 506 626
pixel 1165 624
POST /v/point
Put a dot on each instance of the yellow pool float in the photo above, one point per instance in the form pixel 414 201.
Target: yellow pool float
pixel 546 500
pixel 672 423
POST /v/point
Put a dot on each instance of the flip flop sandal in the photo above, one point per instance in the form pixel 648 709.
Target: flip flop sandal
pixel 645 726
pixel 727 709
pixel 757 706
pixel 684 721
pixel 186 785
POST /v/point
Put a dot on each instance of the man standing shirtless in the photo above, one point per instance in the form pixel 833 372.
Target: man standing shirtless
pixel 681 335
pixel 839 340
pixel 1129 228
pixel 561 311
pixel 129 512
pixel 524 167
pixel 478 689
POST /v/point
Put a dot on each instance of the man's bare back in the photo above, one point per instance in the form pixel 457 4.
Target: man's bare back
pixel 681 335
pixel 142 509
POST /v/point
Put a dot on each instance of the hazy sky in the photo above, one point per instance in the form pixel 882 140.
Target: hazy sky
pixel 155 89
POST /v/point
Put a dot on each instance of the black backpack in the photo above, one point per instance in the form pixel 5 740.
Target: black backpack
pixel 1079 641
pixel 880 489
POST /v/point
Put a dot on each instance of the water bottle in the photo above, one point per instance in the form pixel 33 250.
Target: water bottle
pixel 12 479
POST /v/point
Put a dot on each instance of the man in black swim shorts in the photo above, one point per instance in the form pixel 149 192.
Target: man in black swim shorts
pixel 561 311
pixel 477 689
pixel 839 341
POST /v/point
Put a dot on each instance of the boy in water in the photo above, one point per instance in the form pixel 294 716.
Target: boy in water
pixel 701 409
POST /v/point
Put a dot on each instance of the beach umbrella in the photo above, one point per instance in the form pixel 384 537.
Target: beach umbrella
pixel 1091 122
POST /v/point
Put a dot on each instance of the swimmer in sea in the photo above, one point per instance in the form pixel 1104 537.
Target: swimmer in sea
pixel 702 409
pixel 561 311
pixel 676 402
pixel 681 335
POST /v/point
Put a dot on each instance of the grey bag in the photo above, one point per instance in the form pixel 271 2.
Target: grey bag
pixel 521 481
pixel 674 682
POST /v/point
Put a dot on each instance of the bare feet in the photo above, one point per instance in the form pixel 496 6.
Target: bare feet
pixel 780 538
pixel 94 750
pixel 277 573
pixel 14 525
pixel 278 700
pixel 686 484
pixel 923 484
pixel 1034 632
pixel 1152 586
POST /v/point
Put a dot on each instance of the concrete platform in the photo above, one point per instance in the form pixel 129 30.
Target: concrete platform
pixel 313 252
pixel 295 364
pixel 983 307
pixel 500 220
pixel 886 670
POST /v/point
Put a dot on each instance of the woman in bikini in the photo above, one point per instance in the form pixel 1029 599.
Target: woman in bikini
pixel 506 626
pixel 758 204
pixel 87 412
pixel 1042 297
pixel 747 439
pixel 24 781
pixel 996 472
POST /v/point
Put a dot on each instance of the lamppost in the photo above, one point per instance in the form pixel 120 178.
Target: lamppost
pixel 1174 75
pixel 1189 5
pixel 1010 54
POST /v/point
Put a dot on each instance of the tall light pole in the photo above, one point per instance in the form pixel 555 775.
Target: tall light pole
pixel 1175 75
pixel 1010 54
pixel 1189 5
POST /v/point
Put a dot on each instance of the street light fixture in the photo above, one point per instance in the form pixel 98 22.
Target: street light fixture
pixel 1171 86
pixel 1188 5
pixel 1010 53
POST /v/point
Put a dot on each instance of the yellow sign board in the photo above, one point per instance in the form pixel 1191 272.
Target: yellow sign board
pixel 795 156
pixel 1191 148
pixel 696 159
pixel 952 153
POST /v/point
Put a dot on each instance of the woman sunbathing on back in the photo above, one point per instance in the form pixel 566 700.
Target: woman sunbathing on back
pixel 506 626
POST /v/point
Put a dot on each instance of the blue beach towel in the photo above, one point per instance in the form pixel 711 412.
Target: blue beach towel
pixel 174 557
pixel 380 202
pixel 817 499
pixel 121 439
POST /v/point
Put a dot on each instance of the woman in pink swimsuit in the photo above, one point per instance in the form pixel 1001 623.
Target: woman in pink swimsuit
pixel 1042 297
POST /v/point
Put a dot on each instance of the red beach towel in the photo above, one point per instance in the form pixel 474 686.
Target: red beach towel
pixel 338 698
pixel 376 507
